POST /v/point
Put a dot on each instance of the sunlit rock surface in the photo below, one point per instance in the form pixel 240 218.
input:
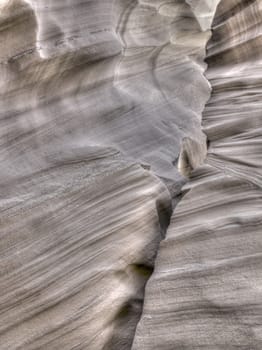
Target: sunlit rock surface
pixel 205 292
pixel 101 119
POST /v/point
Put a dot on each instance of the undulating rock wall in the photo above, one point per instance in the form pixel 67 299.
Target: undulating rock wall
pixel 205 292
pixel 97 99
pixel 101 120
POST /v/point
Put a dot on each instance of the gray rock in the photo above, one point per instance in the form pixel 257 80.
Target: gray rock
pixel 101 124
pixel 205 292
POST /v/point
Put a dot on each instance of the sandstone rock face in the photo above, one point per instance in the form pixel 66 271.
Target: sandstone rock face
pixel 94 108
pixel 113 74
pixel 205 292
pixel 101 120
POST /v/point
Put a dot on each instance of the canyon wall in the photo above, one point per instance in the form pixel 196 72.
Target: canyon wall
pixel 205 292
pixel 101 124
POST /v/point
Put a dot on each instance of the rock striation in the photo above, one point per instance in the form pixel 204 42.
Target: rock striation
pixel 101 121
pixel 94 110
pixel 205 292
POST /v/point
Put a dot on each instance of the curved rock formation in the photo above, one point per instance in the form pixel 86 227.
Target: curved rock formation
pixel 205 292
pixel 101 102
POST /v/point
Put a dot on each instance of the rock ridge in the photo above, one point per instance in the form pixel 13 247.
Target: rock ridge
pixel 205 290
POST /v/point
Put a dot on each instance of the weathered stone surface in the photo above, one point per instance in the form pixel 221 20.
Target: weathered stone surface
pixel 96 98
pixel 205 292
pixel 101 117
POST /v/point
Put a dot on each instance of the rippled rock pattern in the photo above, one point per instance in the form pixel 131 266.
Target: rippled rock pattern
pixel 101 119
pixel 94 110
pixel 205 292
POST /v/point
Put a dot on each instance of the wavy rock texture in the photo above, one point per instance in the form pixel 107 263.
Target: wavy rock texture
pixel 97 98
pixel 205 292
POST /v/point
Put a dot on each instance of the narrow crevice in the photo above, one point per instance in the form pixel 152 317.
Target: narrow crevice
pixel 129 315
pixel 184 164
